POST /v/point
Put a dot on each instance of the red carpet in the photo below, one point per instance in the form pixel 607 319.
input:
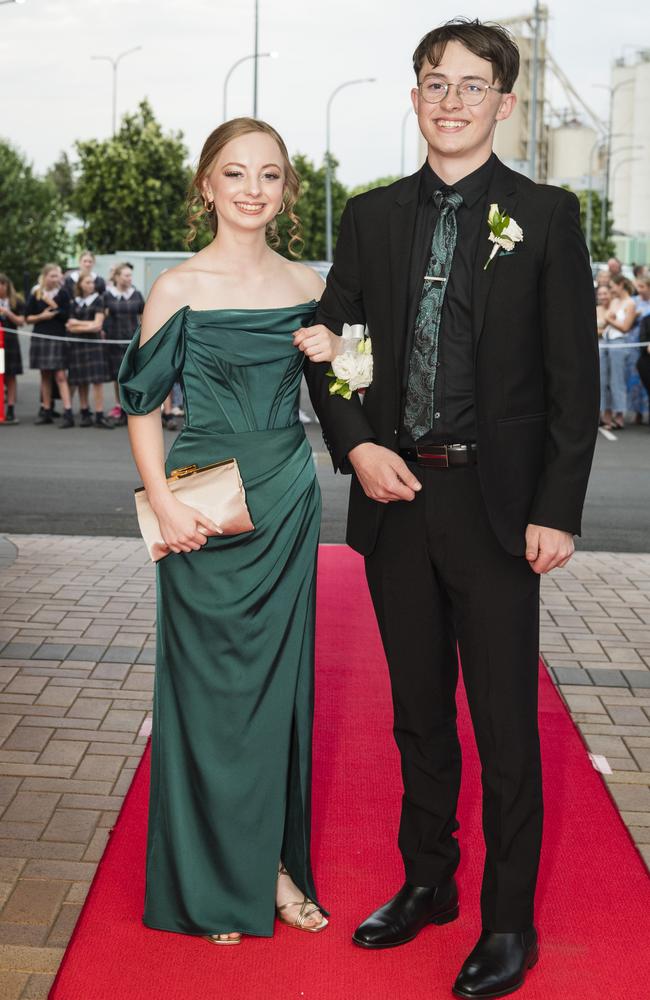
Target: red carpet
pixel 593 898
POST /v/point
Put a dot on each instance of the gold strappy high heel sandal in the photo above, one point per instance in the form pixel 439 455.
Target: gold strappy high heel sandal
pixel 222 939
pixel 307 909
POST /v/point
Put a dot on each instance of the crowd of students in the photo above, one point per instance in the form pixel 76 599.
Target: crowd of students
pixel 68 310
pixel 74 318
pixel 623 317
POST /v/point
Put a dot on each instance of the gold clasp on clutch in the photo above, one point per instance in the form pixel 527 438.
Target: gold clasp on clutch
pixel 185 470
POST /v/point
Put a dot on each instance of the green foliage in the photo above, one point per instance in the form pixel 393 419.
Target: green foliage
pixel 33 224
pixel 311 208
pixel 371 185
pixel 131 189
pixel 600 249
pixel 61 176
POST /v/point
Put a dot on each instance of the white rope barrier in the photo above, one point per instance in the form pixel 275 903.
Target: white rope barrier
pixel 71 339
pixel 606 346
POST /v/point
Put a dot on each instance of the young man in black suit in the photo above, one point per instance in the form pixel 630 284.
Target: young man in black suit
pixel 470 459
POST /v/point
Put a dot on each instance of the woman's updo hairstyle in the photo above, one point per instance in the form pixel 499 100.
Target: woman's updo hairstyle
pixel 196 206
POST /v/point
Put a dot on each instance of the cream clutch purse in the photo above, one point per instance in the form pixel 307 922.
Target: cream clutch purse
pixel 215 490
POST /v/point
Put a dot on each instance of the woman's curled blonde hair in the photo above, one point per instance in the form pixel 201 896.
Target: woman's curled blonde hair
pixel 223 134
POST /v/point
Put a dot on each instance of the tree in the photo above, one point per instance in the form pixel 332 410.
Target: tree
pixel 61 176
pixel 131 189
pixel 311 208
pixel 33 223
pixel 600 249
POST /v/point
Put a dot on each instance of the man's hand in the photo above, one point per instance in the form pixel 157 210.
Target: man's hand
pixel 383 475
pixel 547 548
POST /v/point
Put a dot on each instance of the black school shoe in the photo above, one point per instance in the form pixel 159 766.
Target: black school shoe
pixel 403 917
pixel 497 965
pixel 103 422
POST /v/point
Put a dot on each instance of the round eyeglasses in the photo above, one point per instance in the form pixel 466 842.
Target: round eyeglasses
pixel 470 92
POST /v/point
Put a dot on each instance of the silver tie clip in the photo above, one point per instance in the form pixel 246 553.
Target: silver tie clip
pixel 427 278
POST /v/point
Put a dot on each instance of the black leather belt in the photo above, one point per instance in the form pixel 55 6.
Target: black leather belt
pixel 441 456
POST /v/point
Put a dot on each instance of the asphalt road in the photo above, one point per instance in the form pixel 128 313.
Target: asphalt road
pixel 81 481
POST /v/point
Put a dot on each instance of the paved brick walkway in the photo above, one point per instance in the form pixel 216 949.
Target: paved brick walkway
pixel 76 671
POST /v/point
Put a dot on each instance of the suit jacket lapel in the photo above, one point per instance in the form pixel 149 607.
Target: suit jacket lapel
pixel 503 191
pixel 401 224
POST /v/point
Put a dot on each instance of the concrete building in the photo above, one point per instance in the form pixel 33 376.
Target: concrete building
pixel 573 156
pixel 629 180
pixel 512 139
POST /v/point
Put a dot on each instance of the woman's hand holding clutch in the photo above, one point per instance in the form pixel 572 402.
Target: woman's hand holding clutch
pixel 183 528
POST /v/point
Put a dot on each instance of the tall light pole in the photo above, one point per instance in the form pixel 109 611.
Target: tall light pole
pixel 328 168
pixel 402 162
pixel 254 56
pixel 629 159
pixel 590 181
pixel 612 91
pixel 115 63
pixel 623 163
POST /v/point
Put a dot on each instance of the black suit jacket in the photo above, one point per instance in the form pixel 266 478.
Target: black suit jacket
pixel 536 371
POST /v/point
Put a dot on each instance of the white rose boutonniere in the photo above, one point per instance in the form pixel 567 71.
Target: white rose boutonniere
pixel 352 369
pixel 504 232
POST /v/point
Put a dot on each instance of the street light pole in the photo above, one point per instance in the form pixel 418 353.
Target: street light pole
pixel 625 149
pixel 623 163
pixel 612 91
pixel 115 63
pixel 590 182
pixel 405 119
pixel 255 56
pixel 328 169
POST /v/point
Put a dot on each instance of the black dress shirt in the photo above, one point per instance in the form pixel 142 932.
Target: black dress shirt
pixel 455 417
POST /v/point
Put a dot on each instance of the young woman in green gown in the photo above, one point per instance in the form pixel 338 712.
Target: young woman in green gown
pixel 228 844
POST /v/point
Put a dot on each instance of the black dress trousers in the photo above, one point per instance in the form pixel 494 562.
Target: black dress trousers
pixel 438 576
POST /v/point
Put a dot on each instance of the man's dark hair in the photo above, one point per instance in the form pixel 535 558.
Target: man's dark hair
pixel 489 41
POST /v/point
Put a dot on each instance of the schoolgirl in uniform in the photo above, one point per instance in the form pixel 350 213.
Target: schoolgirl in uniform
pixel 48 309
pixel 123 306
pixel 86 266
pixel 11 318
pixel 88 363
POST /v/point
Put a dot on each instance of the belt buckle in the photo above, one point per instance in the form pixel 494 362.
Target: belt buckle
pixel 433 460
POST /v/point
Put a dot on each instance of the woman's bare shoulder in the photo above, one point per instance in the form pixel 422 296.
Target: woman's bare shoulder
pixel 307 280
pixel 169 293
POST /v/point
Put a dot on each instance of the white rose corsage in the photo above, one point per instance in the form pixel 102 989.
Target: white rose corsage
pixel 504 232
pixel 352 369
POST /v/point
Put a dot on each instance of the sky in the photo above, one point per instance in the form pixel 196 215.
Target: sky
pixel 54 93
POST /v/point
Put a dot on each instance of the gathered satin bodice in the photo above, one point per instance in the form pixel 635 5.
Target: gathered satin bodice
pixel 239 369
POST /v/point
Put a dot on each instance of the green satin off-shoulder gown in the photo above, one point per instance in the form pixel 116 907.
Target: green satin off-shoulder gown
pixel 233 695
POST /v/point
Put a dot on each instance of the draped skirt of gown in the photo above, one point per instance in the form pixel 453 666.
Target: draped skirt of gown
pixel 233 694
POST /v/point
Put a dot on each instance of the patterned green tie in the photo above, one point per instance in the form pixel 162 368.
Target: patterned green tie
pixel 420 406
